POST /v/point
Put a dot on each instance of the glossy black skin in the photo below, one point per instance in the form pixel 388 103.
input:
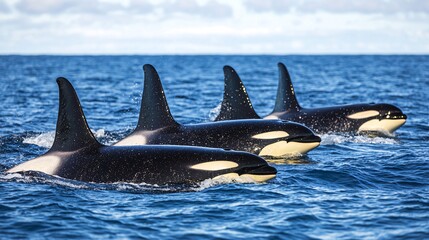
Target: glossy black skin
pixel 334 119
pixel 237 105
pixel 159 127
pixel 154 164
pixel 327 119
pixel 83 158
pixel 235 134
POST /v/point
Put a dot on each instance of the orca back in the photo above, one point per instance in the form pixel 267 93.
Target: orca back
pixel 72 131
pixel 236 103
pixel 286 100
pixel 154 110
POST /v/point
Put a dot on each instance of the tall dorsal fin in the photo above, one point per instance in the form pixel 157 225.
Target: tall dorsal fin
pixel 72 131
pixel 154 110
pixel 286 99
pixel 236 103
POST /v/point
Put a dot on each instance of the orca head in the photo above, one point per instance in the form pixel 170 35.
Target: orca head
pixel 379 118
pixel 236 165
pixel 289 138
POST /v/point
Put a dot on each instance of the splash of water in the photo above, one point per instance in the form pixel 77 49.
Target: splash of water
pixel 331 139
pixel 214 112
pixel 37 177
pixel 47 139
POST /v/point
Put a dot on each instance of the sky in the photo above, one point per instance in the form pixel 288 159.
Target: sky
pixel 214 27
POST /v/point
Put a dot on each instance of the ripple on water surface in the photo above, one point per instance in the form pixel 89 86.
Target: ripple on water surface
pixel 351 187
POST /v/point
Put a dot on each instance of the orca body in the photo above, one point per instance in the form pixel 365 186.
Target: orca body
pixel 273 138
pixel 77 155
pixel 354 118
pixel 378 118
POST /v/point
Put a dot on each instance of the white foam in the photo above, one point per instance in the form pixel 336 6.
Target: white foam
pixel 222 180
pixel 47 139
pixel 42 140
pixel 10 176
pixel 59 181
pixel 215 112
pixel 54 180
pixel 99 133
pixel 120 186
pixel 331 139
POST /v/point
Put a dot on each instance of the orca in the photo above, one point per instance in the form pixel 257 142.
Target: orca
pixel 268 138
pixel 382 119
pixel 77 155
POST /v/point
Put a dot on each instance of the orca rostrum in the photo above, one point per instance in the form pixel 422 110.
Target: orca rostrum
pixel 77 155
pixel 356 118
pixel 156 125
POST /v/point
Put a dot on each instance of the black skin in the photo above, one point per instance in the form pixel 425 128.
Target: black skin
pixel 334 119
pixel 154 164
pixel 159 127
pixel 236 105
pixel 84 158
pixel 236 134
pixel 327 119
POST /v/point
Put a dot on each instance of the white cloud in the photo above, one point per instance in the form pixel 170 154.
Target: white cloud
pixel 140 6
pixel 56 7
pixel 339 6
pixel 210 26
pixel 4 8
pixel 211 9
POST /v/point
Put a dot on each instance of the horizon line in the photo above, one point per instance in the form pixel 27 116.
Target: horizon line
pixel 214 54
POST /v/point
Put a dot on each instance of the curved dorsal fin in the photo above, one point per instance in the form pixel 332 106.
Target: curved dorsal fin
pixel 236 103
pixel 286 99
pixel 154 110
pixel 72 131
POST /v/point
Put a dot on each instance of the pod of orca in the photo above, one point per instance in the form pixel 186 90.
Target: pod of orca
pixel 270 138
pixel 162 151
pixel 76 154
pixel 381 119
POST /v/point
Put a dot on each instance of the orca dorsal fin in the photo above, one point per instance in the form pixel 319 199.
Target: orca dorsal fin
pixel 154 110
pixel 286 99
pixel 72 132
pixel 236 103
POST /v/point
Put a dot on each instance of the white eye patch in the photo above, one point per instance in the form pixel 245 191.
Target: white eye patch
pixel 271 135
pixel 364 114
pixel 215 165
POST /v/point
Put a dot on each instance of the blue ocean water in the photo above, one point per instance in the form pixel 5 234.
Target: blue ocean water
pixel 351 187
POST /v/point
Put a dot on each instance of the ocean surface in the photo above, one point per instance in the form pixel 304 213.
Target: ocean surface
pixel 351 187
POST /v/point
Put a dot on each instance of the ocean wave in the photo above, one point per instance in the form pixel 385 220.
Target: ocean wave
pixel 47 139
pixel 331 139
pixel 214 112
pixel 38 177
pixel 208 183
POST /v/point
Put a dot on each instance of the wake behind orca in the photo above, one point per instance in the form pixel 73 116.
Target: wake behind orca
pixel 156 125
pixel 378 118
pixel 77 155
